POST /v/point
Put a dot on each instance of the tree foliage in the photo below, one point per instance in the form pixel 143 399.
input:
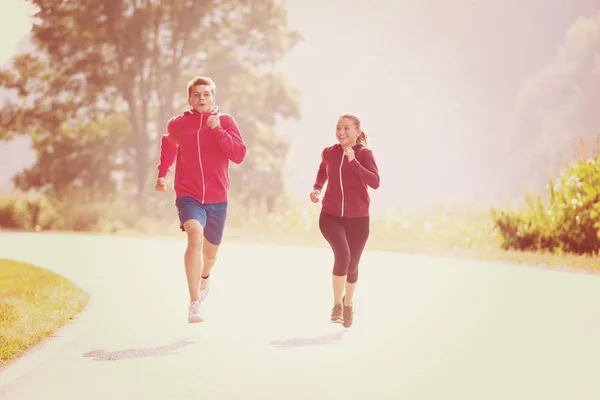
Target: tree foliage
pixel 558 106
pixel 99 60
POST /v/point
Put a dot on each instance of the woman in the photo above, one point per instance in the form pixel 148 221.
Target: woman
pixel 349 168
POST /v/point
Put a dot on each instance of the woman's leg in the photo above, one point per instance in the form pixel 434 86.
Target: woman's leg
pixel 333 231
pixel 357 233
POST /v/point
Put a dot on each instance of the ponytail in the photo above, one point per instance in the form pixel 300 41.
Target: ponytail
pixel 362 138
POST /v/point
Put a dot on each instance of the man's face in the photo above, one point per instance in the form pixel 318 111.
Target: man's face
pixel 201 98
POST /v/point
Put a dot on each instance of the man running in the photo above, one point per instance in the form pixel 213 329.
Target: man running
pixel 203 140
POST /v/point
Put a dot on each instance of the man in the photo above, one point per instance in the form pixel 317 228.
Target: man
pixel 203 140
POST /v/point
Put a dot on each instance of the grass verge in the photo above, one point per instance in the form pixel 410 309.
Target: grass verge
pixel 564 262
pixel 34 304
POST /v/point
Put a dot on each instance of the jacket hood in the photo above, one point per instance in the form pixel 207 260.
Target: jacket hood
pixel 355 147
pixel 191 111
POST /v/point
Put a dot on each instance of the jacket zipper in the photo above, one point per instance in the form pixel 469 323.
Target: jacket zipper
pixel 341 184
pixel 200 159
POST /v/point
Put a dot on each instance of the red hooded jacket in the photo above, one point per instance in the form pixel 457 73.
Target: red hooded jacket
pixel 347 193
pixel 202 153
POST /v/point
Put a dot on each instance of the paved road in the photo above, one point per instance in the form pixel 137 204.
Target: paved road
pixel 425 328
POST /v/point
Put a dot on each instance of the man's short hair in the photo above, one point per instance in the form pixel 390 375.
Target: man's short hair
pixel 201 80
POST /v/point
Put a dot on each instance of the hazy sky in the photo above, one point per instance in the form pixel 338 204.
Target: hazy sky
pixel 15 24
pixel 434 82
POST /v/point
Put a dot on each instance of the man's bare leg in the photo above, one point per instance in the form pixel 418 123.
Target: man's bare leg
pixel 193 257
pixel 209 255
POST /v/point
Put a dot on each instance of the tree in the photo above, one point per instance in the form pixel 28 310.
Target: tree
pixel 557 107
pixel 99 58
pixel 76 156
pixel 78 164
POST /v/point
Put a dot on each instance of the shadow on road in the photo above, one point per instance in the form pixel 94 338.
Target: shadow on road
pixel 158 351
pixel 332 338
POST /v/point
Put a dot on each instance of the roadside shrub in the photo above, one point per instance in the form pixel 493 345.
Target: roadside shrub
pixel 568 223
pixel 28 213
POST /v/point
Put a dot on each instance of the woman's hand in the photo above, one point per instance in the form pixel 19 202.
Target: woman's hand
pixel 314 196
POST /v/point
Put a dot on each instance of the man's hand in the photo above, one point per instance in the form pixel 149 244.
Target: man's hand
pixel 349 152
pixel 213 121
pixel 160 185
pixel 314 196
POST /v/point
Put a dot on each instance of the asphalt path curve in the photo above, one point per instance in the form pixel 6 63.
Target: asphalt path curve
pixel 425 327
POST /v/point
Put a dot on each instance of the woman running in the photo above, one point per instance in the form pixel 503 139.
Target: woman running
pixel 348 167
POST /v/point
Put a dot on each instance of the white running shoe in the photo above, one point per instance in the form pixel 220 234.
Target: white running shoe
pixel 195 312
pixel 204 288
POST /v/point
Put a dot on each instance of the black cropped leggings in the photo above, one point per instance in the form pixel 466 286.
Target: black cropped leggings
pixel 347 238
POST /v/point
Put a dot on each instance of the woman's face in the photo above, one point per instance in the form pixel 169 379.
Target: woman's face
pixel 347 132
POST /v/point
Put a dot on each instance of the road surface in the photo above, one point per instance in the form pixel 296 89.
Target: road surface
pixel 425 327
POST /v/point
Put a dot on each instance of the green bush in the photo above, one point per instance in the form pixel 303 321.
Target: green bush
pixel 569 222
pixel 9 218
pixel 109 217
pixel 292 222
pixel 22 212
pixel 28 213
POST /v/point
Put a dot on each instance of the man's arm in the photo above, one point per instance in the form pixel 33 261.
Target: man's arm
pixel 230 139
pixel 367 169
pixel 168 152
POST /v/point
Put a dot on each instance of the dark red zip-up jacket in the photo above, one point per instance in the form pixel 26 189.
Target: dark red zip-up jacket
pixel 347 193
pixel 202 153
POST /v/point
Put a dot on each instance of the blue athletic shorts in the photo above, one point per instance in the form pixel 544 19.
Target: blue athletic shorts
pixel 211 216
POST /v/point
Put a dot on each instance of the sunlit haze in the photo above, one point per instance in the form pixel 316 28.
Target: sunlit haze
pixel 211 263
pixel 435 84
